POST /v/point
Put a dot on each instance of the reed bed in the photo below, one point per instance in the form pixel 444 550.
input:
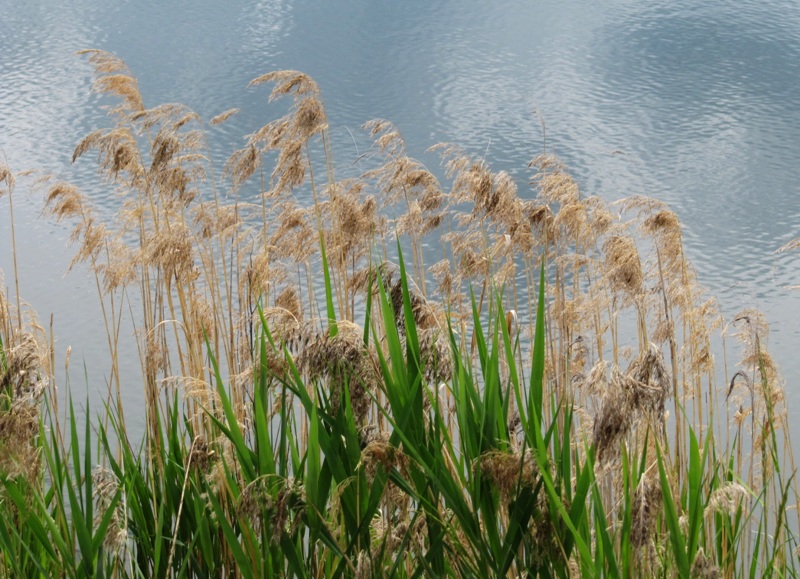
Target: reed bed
pixel 326 396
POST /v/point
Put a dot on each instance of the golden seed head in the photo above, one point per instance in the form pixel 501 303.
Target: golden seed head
pixel 624 270
pixel 222 117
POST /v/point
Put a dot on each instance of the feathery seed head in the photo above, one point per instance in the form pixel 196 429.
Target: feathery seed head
pixel 64 201
pixel 289 300
pixel 172 252
pixel 7 177
pixel 241 165
pixel 726 499
pixel 222 117
pixel 309 118
pixel 624 269
pixel 115 78
pixel 287 82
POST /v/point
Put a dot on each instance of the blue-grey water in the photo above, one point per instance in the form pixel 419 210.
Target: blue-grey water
pixel 702 97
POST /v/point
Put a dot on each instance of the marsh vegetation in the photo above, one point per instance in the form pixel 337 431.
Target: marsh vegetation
pixel 323 398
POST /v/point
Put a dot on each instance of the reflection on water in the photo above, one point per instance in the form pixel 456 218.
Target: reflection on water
pixel 704 100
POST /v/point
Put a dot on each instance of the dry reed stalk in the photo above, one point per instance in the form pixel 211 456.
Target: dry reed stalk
pixel 8 180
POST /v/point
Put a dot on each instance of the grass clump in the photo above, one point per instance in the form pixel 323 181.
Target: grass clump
pixel 540 400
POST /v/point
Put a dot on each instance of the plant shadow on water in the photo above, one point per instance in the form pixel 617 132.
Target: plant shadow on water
pixel 321 400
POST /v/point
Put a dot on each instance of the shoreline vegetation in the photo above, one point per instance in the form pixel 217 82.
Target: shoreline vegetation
pixel 324 399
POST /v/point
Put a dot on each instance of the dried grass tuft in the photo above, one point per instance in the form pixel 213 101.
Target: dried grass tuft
pixel 645 511
pixel 704 567
pixel 379 452
pixel 638 394
pixel 343 361
pixel 509 471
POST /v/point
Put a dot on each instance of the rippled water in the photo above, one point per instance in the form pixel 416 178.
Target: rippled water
pixel 703 99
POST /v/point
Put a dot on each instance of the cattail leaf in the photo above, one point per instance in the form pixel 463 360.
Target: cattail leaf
pixel 696 502
pixel 105 521
pixel 88 479
pixel 466 400
pixel 498 423
pixel 33 523
pixel 330 308
pixel 477 332
pixel 627 510
pixel 565 461
pixel 753 570
pixel 396 384
pixel 77 507
pixel 57 467
pixel 451 490
pixel 577 512
pixel 555 501
pixel 266 459
pixel 517 527
pixel 82 531
pixel 243 562
pixel 413 357
pixel 160 534
pixel 74 446
pixel 232 430
pixel 491 407
pixel 605 543
pixel 202 535
pixel 368 307
pixel 312 475
pixel 777 547
pixel 514 378
pixel 12 545
pixel 293 557
pixel 671 516
pixel 489 508
pixel 537 366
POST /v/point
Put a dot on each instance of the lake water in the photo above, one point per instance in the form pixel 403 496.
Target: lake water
pixel 703 98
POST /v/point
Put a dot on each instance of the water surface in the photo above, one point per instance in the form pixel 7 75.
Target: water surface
pixel 703 99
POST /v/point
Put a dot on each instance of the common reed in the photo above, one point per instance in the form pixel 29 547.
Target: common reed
pixel 542 400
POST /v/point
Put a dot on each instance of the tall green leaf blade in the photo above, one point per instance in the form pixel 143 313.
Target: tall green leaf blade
pixel 537 366
pixel 233 430
pixel 266 459
pixel 331 310
pixel 671 516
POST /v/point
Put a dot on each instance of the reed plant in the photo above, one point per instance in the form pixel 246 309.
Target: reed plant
pixel 326 396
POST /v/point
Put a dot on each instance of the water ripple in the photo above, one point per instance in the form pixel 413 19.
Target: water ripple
pixel 703 98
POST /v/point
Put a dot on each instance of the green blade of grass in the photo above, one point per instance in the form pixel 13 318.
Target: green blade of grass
pixel 537 366
pixel 671 516
pixel 331 310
